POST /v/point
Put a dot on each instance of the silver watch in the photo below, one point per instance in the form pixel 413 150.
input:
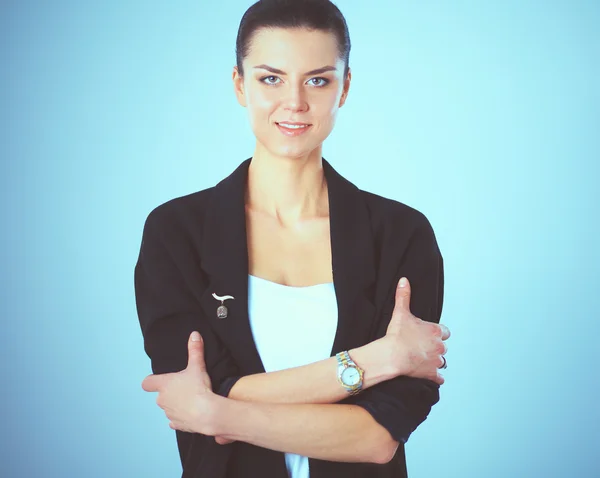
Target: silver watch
pixel 349 374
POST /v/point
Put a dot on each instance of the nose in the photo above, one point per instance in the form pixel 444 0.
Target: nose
pixel 295 99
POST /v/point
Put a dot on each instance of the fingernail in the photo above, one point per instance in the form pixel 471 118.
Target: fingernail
pixel 403 282
pixel 195 337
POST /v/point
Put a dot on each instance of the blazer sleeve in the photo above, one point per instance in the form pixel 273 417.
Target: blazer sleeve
pixel 403 403
pixel 168 312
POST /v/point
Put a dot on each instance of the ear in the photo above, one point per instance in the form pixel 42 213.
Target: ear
pixel 346 88
pixel 238 86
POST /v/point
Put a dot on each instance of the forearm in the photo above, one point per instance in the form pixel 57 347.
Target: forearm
pixel 334 432
pixel 314 383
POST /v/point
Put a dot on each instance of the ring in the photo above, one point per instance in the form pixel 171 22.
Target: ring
pixel 445 363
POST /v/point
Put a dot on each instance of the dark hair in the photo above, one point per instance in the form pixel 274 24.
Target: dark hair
pixel 311 14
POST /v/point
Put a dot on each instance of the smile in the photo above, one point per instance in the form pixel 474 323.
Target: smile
pixel 293 129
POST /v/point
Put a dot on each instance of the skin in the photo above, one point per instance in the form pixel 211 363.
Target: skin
pixel 285 179
pixel 286 182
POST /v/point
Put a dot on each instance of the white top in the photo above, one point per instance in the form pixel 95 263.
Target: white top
pixel 292 326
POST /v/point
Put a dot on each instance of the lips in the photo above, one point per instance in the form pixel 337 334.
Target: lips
pixel 292 123
pixel 293 129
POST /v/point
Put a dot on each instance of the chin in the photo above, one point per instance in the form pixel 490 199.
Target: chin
pixel 293 153
pixel 287 151
pixel 289 148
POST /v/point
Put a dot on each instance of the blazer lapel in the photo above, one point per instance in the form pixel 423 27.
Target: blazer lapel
pixel 224 258
pixel 352 250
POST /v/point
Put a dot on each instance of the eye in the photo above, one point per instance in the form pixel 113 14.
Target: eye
pixel 271 77
pixel 322 81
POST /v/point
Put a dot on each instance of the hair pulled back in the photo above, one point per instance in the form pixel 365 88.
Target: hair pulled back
pixel 311 14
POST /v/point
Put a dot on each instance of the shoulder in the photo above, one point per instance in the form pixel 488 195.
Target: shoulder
pixel 405 245
pixel 181 210
pixel 395 217
pixel 401 232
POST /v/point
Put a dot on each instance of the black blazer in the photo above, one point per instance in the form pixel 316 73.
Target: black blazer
pixel 195 245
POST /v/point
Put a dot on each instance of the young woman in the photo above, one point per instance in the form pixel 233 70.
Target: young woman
pixel 282 340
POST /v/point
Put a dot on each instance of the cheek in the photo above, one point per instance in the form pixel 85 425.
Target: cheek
pixel 325 104
pixel 333 103
pixel 324 112
pixel 261 101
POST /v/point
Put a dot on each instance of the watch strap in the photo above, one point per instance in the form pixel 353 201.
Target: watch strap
pixel 345 361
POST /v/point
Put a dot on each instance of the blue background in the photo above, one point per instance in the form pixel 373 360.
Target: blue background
pixel 483 115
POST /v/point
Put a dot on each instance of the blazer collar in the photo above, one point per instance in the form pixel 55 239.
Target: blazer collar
pixel 224 257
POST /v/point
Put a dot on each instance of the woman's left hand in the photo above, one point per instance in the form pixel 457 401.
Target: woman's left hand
pixel 187 397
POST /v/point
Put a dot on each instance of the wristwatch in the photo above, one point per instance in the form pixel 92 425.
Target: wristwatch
pixel 349 374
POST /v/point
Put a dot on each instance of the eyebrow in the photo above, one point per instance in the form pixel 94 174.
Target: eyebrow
pixel 281 72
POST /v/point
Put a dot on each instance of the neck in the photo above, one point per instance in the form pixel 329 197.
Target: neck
pixel 289 189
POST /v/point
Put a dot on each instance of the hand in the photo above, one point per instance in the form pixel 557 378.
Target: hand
pixel 417 345
pixel 186 396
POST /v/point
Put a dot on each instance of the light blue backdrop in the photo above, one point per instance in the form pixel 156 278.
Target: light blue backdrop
pixel 483 115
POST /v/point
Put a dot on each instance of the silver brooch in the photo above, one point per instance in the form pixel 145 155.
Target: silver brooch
pixel 222 310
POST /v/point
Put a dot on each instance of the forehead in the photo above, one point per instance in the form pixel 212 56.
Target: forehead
pixel 294 48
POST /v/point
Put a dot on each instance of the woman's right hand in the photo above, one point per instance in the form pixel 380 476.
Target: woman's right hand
pixel 416 346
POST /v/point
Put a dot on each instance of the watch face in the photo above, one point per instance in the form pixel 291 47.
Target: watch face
pixel 350 376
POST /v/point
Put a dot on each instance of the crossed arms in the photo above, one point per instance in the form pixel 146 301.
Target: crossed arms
pixel 294 410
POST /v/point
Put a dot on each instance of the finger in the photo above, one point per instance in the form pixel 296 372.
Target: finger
pixel 445 331
pixel 152 383
pixel 403 294
pixel 436 376
pixel 223 441
pixel 196 352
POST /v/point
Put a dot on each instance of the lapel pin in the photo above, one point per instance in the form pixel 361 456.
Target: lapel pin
pixel 222 310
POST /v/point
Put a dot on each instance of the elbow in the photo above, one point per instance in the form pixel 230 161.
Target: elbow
pixel 385 450
pixel 380 443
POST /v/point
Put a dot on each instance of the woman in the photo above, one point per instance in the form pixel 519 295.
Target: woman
pixel 279 288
